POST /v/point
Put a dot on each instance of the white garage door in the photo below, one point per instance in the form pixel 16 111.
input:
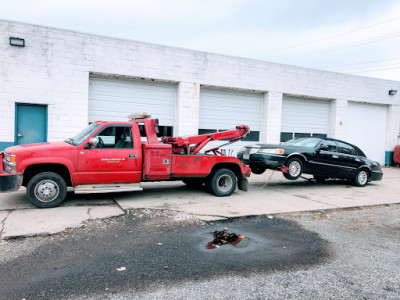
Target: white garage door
pixel 304 117
pixel 115 99
pixel 223 109
pixel 366 128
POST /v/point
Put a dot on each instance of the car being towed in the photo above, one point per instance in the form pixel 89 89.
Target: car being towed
pixel 321 157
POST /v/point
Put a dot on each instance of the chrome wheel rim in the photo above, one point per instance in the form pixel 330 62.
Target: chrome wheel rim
pixel 362 177
pixel 224 183
pixel 46 190
pixel 294 168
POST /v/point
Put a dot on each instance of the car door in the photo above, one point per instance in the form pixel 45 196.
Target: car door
pixel 325 160
pixel 114 159
pixel 348 159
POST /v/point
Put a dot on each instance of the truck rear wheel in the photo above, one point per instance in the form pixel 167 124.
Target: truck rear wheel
pixel 221 183
pixel 46 190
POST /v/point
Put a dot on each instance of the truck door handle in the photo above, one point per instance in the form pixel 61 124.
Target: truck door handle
pixel 19 135
pixel 132 155
pixel 335 156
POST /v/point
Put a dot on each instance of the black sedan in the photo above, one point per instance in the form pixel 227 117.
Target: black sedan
pixel 323 158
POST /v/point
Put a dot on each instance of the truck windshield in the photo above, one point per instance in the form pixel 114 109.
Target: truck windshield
pixel 83 135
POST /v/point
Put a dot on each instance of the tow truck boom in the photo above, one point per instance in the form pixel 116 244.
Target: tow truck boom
pixel 199 141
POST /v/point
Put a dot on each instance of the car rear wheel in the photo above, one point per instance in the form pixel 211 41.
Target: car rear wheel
pixel 257 169
pixel 222 182
pixel 295 167
pixel 46 190
pixel 361 178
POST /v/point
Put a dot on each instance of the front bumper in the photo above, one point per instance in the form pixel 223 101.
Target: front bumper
pixel 10 182
pixel 263 160
pixel 376 175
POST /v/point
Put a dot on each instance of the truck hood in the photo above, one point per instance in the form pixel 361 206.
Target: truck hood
pixel 53 146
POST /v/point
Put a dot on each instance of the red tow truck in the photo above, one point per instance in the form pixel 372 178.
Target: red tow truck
pixel 112 157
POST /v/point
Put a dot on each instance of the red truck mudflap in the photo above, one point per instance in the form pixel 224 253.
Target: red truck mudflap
pixel 9 182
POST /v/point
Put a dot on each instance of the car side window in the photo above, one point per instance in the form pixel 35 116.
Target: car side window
pixel 115 137
pixel 346 149
pixel 328 146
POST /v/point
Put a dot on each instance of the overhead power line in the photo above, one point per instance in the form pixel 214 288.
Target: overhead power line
pixel 375 70
pixel 368 67
pixel 360 63
pixel 333 36
pixel 330 49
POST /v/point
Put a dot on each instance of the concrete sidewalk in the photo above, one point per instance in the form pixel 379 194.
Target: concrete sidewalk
pixel 269 193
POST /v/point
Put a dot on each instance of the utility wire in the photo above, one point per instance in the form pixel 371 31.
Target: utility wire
pixel 375 70
pixel 368 67
pixel 325 50
pixel 332 36
pixel 360 63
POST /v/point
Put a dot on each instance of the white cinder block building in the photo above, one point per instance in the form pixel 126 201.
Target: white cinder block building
pixel 61 80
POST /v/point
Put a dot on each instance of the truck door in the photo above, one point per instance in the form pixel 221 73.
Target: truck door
pixel 115 158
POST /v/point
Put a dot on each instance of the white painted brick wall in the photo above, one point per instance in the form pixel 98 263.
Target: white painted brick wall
pixel 54 69
pixel 338 119
pixel 272 111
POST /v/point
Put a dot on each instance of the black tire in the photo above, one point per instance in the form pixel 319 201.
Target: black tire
pixel 193 182
pixel 319 179
pixel 257 169
pixel 46 190
pixel 295 167
pixel 362 177
pixel 222 182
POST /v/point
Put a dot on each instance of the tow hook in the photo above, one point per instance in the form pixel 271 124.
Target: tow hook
pixel 283 169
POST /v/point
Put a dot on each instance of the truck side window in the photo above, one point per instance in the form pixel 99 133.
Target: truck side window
pixel 115 137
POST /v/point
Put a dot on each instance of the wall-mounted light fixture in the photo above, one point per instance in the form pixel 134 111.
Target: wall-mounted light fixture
pixel 16 41
pixel 392 92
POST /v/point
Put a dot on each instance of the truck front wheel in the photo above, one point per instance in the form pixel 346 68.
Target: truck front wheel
pixel 46 190
pixel 222 182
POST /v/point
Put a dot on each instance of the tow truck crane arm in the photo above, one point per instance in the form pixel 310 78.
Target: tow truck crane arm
pixel 199 141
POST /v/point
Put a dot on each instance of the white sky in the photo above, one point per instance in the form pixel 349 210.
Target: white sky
pixel 360 37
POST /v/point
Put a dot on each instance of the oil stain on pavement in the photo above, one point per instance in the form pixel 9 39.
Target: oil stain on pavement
pixel 139 251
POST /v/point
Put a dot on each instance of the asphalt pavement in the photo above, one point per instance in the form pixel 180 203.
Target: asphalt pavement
pixel 154 254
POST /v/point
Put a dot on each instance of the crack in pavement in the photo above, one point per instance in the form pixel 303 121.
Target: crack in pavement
pixel 4 222
pixel 88 212
pixel 116 202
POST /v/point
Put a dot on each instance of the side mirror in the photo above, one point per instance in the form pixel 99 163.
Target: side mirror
pixel 93 142
pixel 323 148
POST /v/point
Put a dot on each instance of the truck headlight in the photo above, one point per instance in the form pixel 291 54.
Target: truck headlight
pixel 271 151
pixel 10 163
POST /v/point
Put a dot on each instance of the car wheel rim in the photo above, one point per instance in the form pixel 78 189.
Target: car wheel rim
pixel 224 183
pixel 362 177
pixel 294 168
pixel 46 190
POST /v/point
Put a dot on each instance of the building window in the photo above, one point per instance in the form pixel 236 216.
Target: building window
pixel 286 136
pixel 163 131
pixel 253 136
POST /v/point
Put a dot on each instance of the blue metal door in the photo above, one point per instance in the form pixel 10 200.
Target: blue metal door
pixel 31 124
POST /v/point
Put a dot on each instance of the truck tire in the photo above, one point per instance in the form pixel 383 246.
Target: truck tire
pixel 193 182
pixel 222 182
pixel 46 190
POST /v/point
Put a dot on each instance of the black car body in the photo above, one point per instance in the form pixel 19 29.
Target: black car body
pixel 322 157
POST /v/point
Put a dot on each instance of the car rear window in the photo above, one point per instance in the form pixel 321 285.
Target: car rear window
pixel 346 149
